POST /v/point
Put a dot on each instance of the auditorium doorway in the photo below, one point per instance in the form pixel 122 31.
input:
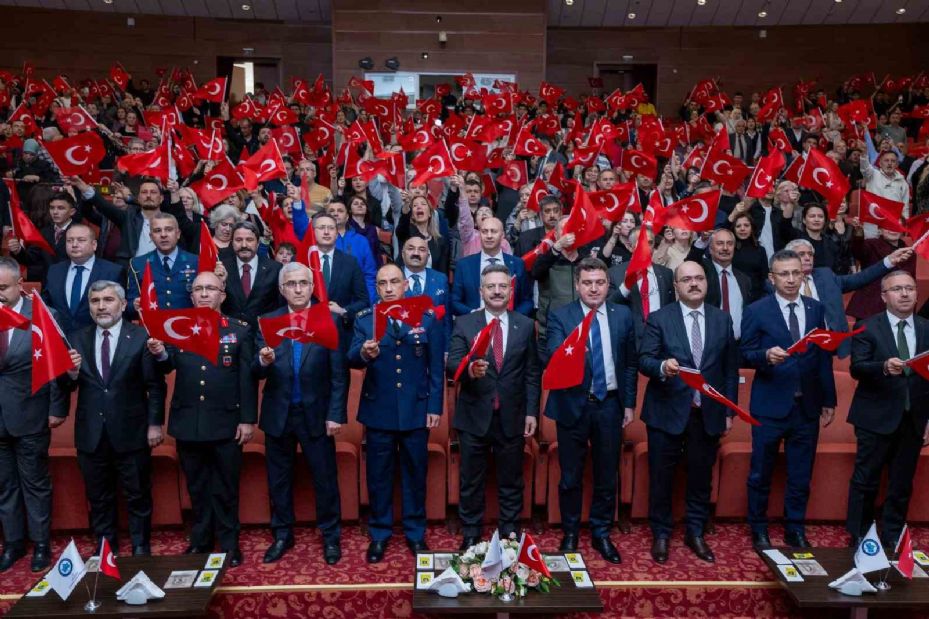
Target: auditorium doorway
pixel 626 76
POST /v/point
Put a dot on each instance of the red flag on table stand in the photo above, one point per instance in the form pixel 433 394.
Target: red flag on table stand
pixel 108 560
pixel 11 320
pixel 308 254
pixel 566 367
pixel 208 254
pixel 478 348
pixel 880 211
pixel 195 329
pixel 695 380
pixel 408 310
pixel 23 228
pixel 313 324
pixel 530 556
pixel 904 550
pixel 50 357
pixel 827 340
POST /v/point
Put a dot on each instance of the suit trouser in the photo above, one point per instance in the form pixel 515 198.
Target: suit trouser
pixel 102 468
pixel 319 454
pixel 384 447
pixel 212 471
pixel 664 452
pixel 25 488
pixel 601 427
pixel 508 458
pixel 900 452
pixel 800 435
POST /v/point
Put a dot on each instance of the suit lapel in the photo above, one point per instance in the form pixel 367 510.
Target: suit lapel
pixel 512 333
pixel 121 352
pixel 234 281
pixel 90 336
pixel 680 329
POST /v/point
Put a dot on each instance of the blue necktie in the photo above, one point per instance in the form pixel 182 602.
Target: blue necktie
pixel 77 287
pixel 296 396
pixel 417 286
pixel 598 370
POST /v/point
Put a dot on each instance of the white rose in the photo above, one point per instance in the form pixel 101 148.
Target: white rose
pixel 522 572
pixel 481 549
pixel 509 556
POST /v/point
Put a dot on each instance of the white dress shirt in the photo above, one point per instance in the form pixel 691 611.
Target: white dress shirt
pixel 607 343
pixel 689 324
pixel 736 302
pixel 98 344
pixel 85 277
pixel 799 310
pixel 146 244
pixel 654 296
pixel 504 326
pixel 253 263
pixel 909 331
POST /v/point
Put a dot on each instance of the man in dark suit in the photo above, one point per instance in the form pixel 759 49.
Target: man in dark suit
pixel 401 400
pixel 466 289
pixel 550 211
pixel 345 283
pixel 596 411
pixel 62 213
pixel 251 280
pixel 498 404
pixel 67 282
pixel 693 334
pixel 120 411
pixel 726 287
pixel 652 291
pixel 25 422
pixel 826 287
pixel 173 269
pixel 889 410
pixel 790 394
pixel 305 407
pixel 213 413
pixel 422 280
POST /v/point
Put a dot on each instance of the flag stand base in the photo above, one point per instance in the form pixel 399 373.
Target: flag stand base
pixel 882 585
pixel 506 597
pixel 92 605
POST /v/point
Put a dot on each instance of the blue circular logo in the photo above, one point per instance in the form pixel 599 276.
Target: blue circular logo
pixel 65 567
pixel 870 547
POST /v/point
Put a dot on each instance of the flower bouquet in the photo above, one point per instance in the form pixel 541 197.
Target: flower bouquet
pixel 504 568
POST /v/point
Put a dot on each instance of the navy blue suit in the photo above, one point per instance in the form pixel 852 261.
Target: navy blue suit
pixel 55 292
pixel 171 287
pixel 787 399
pixel 581 419
pixel 830 288
pixel 674 424
pixel 288 418
pixel 347 288
pixel 466 291
pixel 436 288
pixel 402 385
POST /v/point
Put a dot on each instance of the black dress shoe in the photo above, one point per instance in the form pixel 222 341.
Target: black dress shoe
pixel 11 554
pixel 193 549
pixel 761 541
pixel 568 543
pixel 699 547
pixel 468 541
pixel 332 552
pixel 796 540
pixel 276 550
pixel 235 557
pixel 376 550
pixel 607 550
pixel 660 550
pixel 142 550
pixel 41 557
pixel 417 546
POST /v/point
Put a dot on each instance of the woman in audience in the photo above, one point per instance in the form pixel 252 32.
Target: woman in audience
pixel 222 219
pixel 418 218
pixel 360 222
pixel 674 247
pixel 866 301
pixel 749 256
pixel 830 241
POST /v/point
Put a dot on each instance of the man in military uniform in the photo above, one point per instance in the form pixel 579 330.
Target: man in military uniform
pixel 173 269
pixel 213 413
pixel 401 399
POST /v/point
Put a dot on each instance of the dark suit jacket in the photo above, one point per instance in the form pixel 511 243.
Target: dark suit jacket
pixel 830 288
pixel 665 277
pixel 714 295
pixel 566 405
pixel 323 385
pixel 529 240
pixel 347 288
pixel 668 400
pixel 466 288
pixel 38 261
pixel 517 384
pixel 809 373
pixel 21 412
pixel 56 296
pixel 265 295
pixel 132 400
pixel 879 398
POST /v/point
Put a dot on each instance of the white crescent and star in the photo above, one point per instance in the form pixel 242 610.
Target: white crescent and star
pixel 614 199
pixel 634 160
pixel 267 166
pixel 214 92
pixel 716 166
pixel 215 177
pixel 169 328
pixel 69 155
pixel 440 169
pixel 872 211
pixel 765 178
pixel 827 182
pixel 704 212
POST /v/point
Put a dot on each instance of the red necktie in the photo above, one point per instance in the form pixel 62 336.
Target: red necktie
pixel 247 279
pixel 496 344
pixel 644 293
pixel 725 289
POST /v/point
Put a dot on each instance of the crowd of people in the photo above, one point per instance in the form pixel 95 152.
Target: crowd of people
pixel 499 257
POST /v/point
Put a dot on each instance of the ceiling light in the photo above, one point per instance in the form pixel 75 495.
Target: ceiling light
pixel 246 7
pixel 762 13
pixel 107 1
pixel 901 11
pixel 425 55
pixel 631 15
pixel 701 2
pixel 569 2
pixel 838 1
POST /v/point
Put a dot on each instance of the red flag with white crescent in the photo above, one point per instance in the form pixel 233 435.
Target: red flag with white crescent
pixel 825 339
pixel 108 560
pixel 566 367
pixel 694 379
pixel 195 329
pixel 530 556
pixel 313 324
pixel 50 357
pixel 478 348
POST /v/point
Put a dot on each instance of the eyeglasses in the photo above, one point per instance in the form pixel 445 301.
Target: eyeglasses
pixel 298 283
pixel 899 289
pixel 199 289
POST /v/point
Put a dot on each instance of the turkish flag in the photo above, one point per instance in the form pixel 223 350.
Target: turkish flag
pixel 23 228
pixel 119 76
pixel 904 550
pixel 514 174
pixel 550 93
pixel 827 340
pixel 195 330
pixel 287 140
pixel 245 109
pixel 50 357
pixel 150 163
pixel 696 213
pixel 880 211
pixel 583 221
pixel 530 556
pixel 695 380
pixel 613 204
pixel 355 134
pixel 792 173
pixel 75 119
pixel 311 325
pixel 408 310
pixel 478 348
pixel 822 175
pixel 855 112
pixel 148 297
pixel 566 367
pixel 544 245
pixel 584 155
pixel 721 167
pixel 416 140
pixel 527 145
pixel 108 560
pixel 308 254
pixel 218 184
pixel 11 320
pixel 640 261
pixel 265 165
pixel 497 103
pixel 538 191
pixel 468 155
pixel 77 155
pixel 208 253
pixel 429 107
pixel 696 157
pixel 778 139
pixel 766 172
pixel 213 91
pixel 638 162
pixel 434 162
pixel 184 160
pixel 394 169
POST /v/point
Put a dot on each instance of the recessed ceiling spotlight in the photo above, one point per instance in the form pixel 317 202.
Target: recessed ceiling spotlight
pixel 901 11
pixel 246 7
pixel 107 1
pixel 701 2
pixel 762 13
pixel 631 15
pixel 425 55
pixel 569 2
